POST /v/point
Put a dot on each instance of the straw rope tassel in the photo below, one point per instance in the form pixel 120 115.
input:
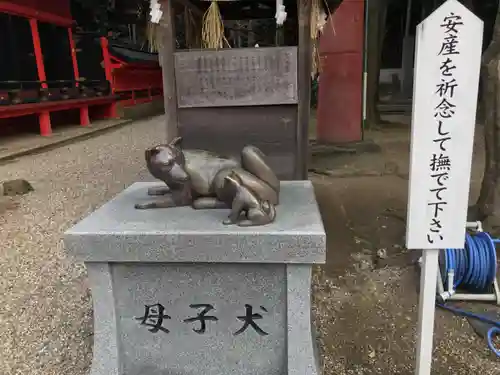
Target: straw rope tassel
pixel 212 33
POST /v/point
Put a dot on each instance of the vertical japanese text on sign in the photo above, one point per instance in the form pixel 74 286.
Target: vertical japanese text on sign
pixel 441 163
pixel 447 65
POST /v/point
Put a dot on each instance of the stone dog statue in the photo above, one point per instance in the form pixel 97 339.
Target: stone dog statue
pixel 205 180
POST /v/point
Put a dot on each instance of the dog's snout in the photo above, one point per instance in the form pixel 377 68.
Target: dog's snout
pixel 178 173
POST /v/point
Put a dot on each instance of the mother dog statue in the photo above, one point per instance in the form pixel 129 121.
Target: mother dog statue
pixel 205 180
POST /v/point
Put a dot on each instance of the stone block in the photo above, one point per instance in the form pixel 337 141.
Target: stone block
pixel 177 292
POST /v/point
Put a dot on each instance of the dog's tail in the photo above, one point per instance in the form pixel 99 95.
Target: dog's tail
pixel 253 161
pixel 269 209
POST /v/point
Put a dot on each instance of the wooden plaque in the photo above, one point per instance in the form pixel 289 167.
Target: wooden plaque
pixel 236 77
pixel 271 128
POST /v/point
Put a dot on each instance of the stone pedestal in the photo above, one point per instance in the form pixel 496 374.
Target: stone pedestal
pixel 178 293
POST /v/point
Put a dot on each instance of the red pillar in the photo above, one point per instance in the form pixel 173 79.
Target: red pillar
pixel 340 93
pixel 37 49
pixel 44 122
pixel 73 54
pixel 84 116
pixel 84 111
pixel 44 117
pixel 108 69
pixel 107 62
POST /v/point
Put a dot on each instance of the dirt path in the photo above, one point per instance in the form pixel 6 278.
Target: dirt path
pixel 366 315
pixel 366 308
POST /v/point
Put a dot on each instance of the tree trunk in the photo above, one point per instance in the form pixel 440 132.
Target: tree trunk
pixel 488 201
pixel 377 10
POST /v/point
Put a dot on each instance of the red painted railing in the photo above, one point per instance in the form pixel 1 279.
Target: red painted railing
pixel 133 83
pixel 130 83
pixel 56 12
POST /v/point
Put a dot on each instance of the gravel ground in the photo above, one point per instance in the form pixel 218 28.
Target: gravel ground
pixel 45 320
pixel 365 316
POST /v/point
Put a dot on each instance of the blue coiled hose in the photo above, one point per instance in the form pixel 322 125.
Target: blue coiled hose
pixel 475 269
pixel 474 266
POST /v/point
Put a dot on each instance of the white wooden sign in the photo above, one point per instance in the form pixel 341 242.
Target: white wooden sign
pixel 447 64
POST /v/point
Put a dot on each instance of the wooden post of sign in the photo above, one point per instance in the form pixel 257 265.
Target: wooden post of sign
pixel 426 310
pixel 447 63
pixel 167 61
pixel 304 86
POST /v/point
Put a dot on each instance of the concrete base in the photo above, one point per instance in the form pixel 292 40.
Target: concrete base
pixel 177 292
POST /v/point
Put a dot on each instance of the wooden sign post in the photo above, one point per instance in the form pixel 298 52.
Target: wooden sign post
pixel 447 65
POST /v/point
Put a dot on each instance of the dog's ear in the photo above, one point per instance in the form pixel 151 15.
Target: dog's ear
pixel 176 142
